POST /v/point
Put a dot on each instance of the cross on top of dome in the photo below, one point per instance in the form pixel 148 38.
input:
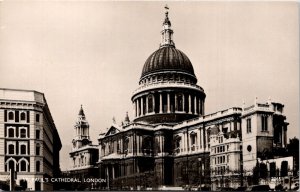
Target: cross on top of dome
pixel 167 32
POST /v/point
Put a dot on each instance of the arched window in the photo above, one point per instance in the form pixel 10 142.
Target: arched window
pixel 11 165
pixel 11 132
pixel 11 115
pixel 22 132
pixel 38 166
pixel 23 116
pixel 23 165
pixel 11 149
pixel 150 104
pixel 179 102
pixel 23 149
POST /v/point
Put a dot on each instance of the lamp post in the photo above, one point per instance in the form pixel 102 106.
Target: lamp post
pixel 268 170
pixel 200 165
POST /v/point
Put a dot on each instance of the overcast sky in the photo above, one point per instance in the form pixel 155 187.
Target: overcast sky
pixel 92 53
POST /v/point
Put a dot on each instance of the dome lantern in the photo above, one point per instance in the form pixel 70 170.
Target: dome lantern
pixel 167 32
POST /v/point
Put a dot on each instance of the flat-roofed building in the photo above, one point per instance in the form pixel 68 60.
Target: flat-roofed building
pixel 29 140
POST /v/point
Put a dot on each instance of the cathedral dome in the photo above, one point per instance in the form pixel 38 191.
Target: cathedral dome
pixel 167 58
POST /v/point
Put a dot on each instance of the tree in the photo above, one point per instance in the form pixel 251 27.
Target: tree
pixel 293 150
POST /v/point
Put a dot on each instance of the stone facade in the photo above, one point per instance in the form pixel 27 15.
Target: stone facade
pixel 84 154
pixel 29 141
pixel 171 141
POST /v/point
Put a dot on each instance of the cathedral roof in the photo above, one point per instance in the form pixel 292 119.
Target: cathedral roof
pixel 167 58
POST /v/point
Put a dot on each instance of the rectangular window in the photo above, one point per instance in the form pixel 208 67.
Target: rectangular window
pixel 264 123
pixel 11 149
pixel 37 134
pixel 37 150
pixel 37 117
pixel 22 133
pixel 23 149
pixel 249 125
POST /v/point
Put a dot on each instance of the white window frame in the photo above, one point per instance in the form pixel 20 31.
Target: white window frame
pixel 14 116
pixel 20 116
pixel 23 143
pixel 7 147
pixel 25 133
pixel 7 131
pixel 19 163
pixel 7 163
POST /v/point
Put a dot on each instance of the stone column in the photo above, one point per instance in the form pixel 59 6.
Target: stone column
pixel 203 107
pixel 195 105
pixel 147 107
pixel 168 103
pixel 200 110
pixel 282 135
pixel 160 103
pixel 190 104
pixel 138 144
pixel 183 102
pixel 201 137
pixel 153 103
pixel 113 171
pixel 107 172
pixel 184 142
pixel 162 144
pixel 176 107
pixel 134 109
pixel 138 107
pixel 142 106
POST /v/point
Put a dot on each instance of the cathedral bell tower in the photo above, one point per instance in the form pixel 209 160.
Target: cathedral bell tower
pixel 81 127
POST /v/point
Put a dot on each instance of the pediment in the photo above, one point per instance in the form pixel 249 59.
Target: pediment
pixel 112 131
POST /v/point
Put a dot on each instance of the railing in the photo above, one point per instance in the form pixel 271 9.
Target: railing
pixel 167 84
pixel 224 112
pixel 259 106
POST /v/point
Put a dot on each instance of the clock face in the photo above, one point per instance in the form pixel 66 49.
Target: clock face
pixel 249 148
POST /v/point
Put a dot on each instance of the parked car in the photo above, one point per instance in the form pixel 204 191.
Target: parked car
pixel 258 188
